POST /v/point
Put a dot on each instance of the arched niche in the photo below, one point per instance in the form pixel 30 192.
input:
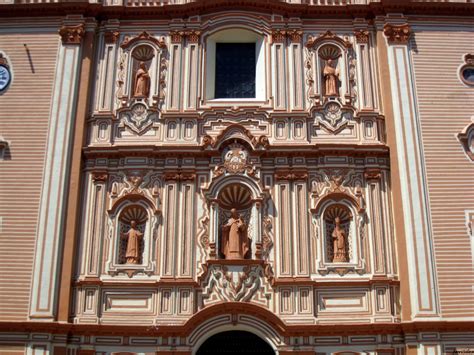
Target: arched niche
pixel 246 196
pixel 323 48
pixel 140 210
pixel 330 61
pixel 152 52
pixel 347 233
pixel 338 233
pixel 132 227
pixel 142 56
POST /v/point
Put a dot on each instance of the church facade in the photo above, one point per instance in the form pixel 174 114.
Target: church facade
pixel 192 177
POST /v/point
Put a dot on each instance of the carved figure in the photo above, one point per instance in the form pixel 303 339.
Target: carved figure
pixel 339 238
pixel 133 237
pixel 142 81
pixel 235 242
pixel 331 76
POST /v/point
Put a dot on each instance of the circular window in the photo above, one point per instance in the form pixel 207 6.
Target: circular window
pixel 5 77
pixel 467 74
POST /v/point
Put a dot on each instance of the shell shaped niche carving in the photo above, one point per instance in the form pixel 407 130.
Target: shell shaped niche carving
pixel 337 211
pixel 133 213
pixel 329 52
pixel 235 196
pixel 143 53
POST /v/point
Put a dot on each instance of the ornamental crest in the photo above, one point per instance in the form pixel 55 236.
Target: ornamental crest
pixel 138 118
pixel 333 116
pixel 235 159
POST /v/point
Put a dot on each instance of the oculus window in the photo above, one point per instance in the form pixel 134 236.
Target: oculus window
pixel 235 70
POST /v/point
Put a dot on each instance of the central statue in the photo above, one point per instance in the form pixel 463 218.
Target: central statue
pixel 235 242
pixel 339 238
pixel 133 238
pixel 142 81
pixel 331 75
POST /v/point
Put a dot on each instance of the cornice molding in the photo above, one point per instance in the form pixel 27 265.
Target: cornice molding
pixel 337 9
pixel 238 308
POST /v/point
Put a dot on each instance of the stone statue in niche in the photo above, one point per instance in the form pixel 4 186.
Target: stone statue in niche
pixel 235 242
pixel 331 77
pixel 339 239
pixel 133 238
pixel 142 81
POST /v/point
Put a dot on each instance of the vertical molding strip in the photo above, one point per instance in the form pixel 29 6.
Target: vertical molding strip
pixel 414 196
pixel 54 194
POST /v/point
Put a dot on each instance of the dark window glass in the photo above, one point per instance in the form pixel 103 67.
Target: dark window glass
pixel 468 75
pixel 235 70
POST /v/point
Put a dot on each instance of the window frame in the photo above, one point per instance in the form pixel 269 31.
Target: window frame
pixel 235 35
pixel 227 52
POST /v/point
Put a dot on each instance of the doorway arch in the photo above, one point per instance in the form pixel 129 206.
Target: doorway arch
pixel 235 342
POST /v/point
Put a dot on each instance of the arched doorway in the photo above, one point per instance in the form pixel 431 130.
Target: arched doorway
pixel 235 342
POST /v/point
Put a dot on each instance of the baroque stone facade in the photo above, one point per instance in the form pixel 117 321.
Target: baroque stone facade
pixel 303 215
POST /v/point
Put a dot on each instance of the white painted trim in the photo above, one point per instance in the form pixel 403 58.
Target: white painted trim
pixel 44 287
pixel 413 186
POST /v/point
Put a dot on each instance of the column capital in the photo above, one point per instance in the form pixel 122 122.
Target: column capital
pixel 72 34
pixel 397 34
